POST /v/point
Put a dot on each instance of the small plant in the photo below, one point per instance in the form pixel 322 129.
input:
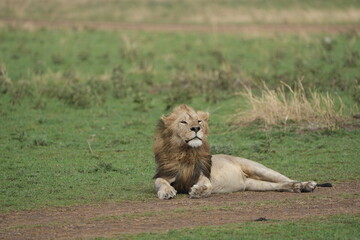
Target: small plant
pixel 41 141
pixel 84 55
pixel 119 82
pixel 222 149
pixel 263 146
pixel 57 58
pixel 356 93
pixel 73 90
pixel 214 82
pixel 5 81
pixel 76 93
pixel 22 89
pixel 21 136
pixel 218 56
pixel 101 167
pixel 143 103
pixel 147 71
pixel 40 104
pixel 100 86
pixel 181 90
pixel 129 49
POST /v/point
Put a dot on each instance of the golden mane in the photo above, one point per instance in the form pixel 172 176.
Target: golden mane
pixel 179 161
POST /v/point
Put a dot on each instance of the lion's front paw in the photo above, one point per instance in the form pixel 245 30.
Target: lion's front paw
pixel 167 192
pixel 200 191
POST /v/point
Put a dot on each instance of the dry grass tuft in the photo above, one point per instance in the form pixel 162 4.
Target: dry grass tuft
pixel 5 81
pixel 286 105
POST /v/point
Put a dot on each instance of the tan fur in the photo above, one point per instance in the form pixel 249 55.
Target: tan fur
pixel 185 165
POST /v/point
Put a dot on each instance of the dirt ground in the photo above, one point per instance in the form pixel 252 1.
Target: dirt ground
pixel 131 217
pixel 249 29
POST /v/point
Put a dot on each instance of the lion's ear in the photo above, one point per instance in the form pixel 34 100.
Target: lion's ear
pixel 167 119
pixel 164 118
pixel 203 115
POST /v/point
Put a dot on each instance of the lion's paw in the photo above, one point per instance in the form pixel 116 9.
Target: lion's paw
pixel 299 187
pixel 308 186
pixel 167 192
pixel 200 191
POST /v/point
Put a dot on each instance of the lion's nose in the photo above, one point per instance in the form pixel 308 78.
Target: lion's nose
pixel 195 129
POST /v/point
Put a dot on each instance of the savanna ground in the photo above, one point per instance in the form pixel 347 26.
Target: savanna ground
pixel 83 85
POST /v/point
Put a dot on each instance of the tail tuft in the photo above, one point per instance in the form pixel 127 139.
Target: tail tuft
pixel 324 185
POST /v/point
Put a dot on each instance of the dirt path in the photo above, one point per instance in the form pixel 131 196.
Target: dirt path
pixel 111 219
pixel 252 29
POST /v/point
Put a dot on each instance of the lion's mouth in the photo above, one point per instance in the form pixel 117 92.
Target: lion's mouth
pixel 196 137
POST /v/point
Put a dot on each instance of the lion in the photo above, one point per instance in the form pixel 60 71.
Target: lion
pixel 185 164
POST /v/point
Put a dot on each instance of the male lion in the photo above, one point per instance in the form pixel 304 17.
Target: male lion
pixel 185 164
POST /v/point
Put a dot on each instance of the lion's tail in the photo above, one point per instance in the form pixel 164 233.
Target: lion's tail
pixel 324 185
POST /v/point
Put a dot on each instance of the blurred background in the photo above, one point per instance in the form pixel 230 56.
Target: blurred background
pixel 186 11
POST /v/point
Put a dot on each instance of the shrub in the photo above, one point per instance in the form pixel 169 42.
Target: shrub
pixel 119 82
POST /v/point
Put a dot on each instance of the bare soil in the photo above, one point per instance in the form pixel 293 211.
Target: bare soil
pixel 251 29
pixel 131 217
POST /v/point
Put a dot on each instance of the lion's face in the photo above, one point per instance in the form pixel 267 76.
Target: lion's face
pixel 187 126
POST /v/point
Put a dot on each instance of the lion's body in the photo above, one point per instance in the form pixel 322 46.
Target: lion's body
pixel 185 165
pixel 231 174
pixel 227 175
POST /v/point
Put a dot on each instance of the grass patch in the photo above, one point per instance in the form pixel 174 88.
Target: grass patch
pixel 286 105
pixel 183 68
pixel 46 159
pixel 78 108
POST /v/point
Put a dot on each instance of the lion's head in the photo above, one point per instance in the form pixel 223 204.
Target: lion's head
pixel 181 147
pixel 186 126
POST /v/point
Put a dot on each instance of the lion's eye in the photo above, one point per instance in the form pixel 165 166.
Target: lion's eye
pixel 183 122
pixel 199 121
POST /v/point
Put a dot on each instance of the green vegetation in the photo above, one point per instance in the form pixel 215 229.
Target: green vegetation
pixel 63 155
pixel 78 108
pixel 336 227
pixel 82 68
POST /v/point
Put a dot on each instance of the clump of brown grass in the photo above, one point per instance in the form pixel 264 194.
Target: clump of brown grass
pixel 5 81
pixel 286 105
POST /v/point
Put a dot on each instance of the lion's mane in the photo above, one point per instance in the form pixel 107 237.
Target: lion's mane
pixel 182 162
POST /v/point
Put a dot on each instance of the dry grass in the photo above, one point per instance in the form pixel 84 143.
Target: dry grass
pixel 186 11
pixel 242 15
pixel 286 105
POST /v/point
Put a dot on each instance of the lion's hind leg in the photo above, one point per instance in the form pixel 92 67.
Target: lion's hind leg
pixel 288 186
pixel 308 186
pixel 258 171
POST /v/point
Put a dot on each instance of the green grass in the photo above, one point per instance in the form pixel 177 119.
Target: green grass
pixel 325 62
pixel 77 128
pixel 335 227
pixel 46 159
